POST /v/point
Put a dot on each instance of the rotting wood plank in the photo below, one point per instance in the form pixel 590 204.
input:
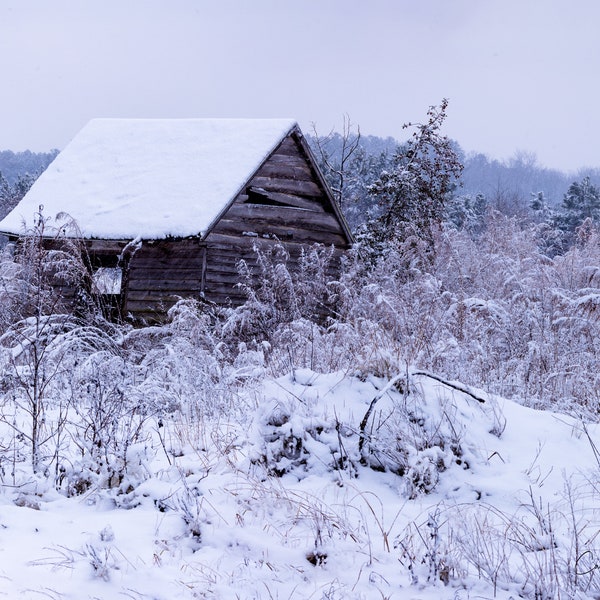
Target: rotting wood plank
pixel 224 279
pixel 286 234
pixel 295 159
pixel 283 216
pixel 230 268
pixel 286 171
pixel 281 199
pixel 139 308
pixel 163 284
pixel 171 251
pixel 96 246
pixel 167 264
pixel 288 186
pixel 150 297
pixel 183 261
pixel 185 270
pixel 221 294
pixel 288 146
pixel 173 275
pixel 237 244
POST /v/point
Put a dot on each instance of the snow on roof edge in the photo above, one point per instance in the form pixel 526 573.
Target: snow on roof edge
pixel 114 176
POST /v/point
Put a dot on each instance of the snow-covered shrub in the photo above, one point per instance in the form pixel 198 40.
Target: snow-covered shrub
pixel 107 427
pixel 189 368
pixel 42 331
pixel 280 289
pixel 418 435
pixel 426 550
pixel 289 438
pixel 542 550
pixel 405 427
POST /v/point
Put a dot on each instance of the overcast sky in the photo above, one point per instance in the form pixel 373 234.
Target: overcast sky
pixel 520 75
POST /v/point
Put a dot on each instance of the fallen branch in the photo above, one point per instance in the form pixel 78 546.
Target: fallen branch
pixel 459 387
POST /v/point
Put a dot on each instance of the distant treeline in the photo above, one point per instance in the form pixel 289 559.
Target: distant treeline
pixel 16 164
pixel 508 186
pixel 18 171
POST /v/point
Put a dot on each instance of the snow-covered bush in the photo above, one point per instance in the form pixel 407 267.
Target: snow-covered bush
pixel 277 293
pixel 106 426
pixel 290 436
pixel 403 429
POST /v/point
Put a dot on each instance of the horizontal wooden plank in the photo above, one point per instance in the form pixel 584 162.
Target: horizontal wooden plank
pixel 172 277
pixel 262 218
pixel 151 298
pixel 236 244
pixel 284 234
pixel 173 252
pixel 230 279
pixel 157 271
pixel 303 236
pixel 293 159
pixel 169 285
pixel 288 186
pixel 161 291
pixel 299 171
pixel 178 263
pixel 273 198
pixel 105 246
pixel 146 309
pixel 288 147
pixel 225 296
pixel 165 271
pixel 230 267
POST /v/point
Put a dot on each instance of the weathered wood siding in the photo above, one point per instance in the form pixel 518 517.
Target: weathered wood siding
pixel 161 272
pixel 285 200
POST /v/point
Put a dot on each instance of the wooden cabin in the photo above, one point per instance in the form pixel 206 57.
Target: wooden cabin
pixel 167 208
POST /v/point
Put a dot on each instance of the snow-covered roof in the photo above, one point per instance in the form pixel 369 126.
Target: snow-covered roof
pixel 153 178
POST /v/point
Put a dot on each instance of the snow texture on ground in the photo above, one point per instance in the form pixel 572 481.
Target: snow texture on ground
pixel 256 509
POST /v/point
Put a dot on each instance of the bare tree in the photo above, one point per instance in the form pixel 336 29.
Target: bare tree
pixel 336 162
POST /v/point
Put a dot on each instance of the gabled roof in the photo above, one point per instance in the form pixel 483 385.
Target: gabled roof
pixel 153 178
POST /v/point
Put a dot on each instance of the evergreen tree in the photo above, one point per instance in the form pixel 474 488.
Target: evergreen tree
pixel 5 195
pixel 468 213
pixel 581 203
pixel 11 195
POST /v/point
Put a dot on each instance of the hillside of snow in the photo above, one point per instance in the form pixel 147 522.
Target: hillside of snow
pixel 441 493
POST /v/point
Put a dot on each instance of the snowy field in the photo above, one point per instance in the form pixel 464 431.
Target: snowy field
pixel 440 493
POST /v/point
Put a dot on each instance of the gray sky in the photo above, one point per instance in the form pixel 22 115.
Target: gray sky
pixel 521 75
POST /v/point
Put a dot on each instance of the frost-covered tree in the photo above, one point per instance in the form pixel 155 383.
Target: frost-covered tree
pixel 580 203
pixel 467 212
pixel 413 195
pixel 6 195
pixel 39 333
pixel 11 195
pixel 351 163
pixel 336 162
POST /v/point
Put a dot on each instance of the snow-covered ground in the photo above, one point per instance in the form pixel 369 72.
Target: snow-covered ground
pixel 447 497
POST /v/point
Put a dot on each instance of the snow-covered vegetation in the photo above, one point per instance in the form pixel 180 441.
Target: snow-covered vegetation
pixel 423 426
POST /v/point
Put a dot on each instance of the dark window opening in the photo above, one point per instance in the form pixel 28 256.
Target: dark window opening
pixel 107 284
